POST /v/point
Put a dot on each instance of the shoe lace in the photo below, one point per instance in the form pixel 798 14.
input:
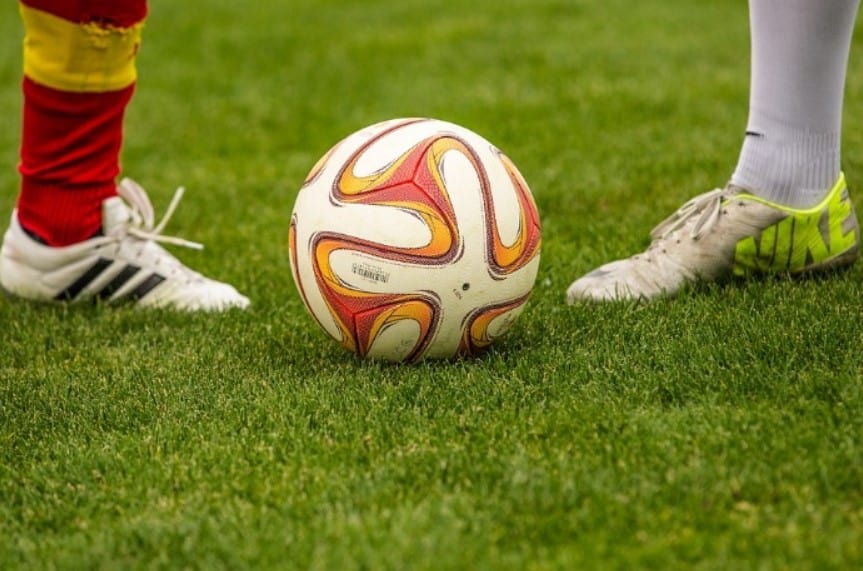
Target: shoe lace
pixel 142 224
pixel 704 208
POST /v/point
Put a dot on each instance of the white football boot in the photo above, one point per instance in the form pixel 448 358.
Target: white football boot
pixel 730 232
pixel 124 264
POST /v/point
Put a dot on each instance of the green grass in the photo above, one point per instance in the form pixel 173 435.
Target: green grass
pixel 720 430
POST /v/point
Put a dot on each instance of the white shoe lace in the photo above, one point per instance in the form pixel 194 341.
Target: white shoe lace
pixel 706 207
pixel 142 224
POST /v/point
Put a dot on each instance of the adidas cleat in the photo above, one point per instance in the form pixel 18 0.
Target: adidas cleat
pixel 125 263
pixel 728 232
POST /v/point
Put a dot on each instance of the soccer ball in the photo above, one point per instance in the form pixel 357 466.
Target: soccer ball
pixel 414 239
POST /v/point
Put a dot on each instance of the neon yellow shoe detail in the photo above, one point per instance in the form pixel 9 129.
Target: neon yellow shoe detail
pixel 824 236
pixel 730 231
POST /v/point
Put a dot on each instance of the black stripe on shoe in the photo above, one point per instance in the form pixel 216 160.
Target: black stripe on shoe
pixel 119 280
pixel 145 287
pixel 72 291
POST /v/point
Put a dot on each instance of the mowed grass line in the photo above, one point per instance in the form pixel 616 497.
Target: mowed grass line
pixel 718 430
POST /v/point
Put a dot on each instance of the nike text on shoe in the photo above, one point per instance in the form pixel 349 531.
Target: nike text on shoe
pixel 730 232
pixel 126 263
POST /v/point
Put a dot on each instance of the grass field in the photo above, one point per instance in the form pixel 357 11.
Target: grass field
pixel 720 430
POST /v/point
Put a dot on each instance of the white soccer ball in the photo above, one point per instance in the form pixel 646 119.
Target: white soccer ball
pixel 414 239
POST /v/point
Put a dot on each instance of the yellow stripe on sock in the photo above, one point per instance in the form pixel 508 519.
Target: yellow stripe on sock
pixel 84 58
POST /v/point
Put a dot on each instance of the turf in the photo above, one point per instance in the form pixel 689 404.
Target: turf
pixel 720 430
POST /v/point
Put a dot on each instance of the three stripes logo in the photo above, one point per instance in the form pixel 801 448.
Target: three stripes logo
pixel 114 285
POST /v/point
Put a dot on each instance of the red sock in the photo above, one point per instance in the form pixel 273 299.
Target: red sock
pixel 74 104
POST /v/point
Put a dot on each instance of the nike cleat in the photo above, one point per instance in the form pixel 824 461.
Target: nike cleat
pixel 730 232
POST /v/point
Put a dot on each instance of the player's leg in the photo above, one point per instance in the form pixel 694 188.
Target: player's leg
pixel 790 154
pixel 79 76
pixel 786 208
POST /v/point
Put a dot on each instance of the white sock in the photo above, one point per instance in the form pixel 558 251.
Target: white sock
pixel 800 48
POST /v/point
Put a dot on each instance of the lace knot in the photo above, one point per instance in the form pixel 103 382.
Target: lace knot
pixel 142 217
pixel 704 209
